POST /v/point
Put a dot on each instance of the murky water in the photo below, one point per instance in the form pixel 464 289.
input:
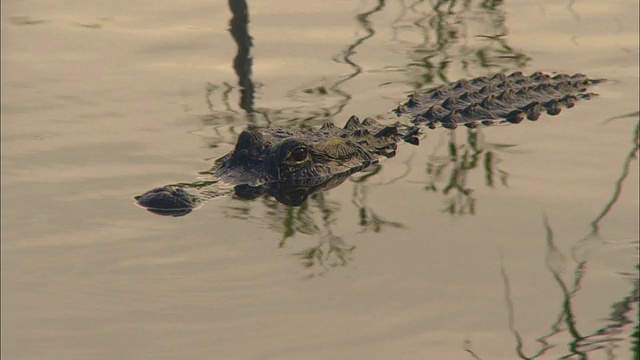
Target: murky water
pixel 521 243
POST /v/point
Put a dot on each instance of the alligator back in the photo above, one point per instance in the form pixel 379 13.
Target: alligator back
pixel 493 99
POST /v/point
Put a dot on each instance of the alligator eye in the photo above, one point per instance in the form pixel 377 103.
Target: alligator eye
pixel 298 154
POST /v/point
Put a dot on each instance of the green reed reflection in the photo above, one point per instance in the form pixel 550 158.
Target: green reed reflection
pixel 608 338
pixel 317 215
pixel 447 42
pixel 460 160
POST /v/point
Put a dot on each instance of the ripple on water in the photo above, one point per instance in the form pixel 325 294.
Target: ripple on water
pixel 618 256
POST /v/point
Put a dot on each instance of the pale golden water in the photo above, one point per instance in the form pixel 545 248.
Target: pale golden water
pixel 532 253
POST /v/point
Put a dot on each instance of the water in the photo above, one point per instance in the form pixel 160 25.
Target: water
pixel 532 252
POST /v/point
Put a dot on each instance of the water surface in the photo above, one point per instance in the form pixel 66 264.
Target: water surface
pixel 521 243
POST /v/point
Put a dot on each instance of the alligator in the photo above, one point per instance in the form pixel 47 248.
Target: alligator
pixel 290 164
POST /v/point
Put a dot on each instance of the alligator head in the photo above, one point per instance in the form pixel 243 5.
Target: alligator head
pixel 288 164
pixel 307 157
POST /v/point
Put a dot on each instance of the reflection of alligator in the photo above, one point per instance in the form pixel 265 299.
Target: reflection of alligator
pixel 290 164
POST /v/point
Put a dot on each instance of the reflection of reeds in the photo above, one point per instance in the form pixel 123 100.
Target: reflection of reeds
pixel 330 250
pixel 368 220
pixel 632 155
pixel 607 338
pixel 579 346
pixel 312 98
pixel 239 29
pixel 446 41
pixel 511 314
pixel 459 162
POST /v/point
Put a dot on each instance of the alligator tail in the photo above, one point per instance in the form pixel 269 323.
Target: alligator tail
pixel 496 99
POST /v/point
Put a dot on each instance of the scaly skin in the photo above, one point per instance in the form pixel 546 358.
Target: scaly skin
pixel 298 156
pixel 290 164
pixel 498 98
